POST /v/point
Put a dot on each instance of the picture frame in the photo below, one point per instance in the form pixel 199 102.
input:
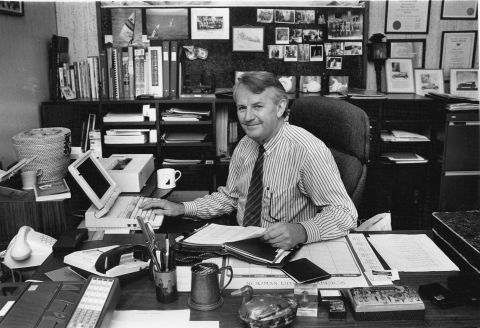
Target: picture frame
pixel 427 80
pixel 13 8
pixel 310 83
pixel 126 27
pixel 454 9
pixel 275 51
pixel 464 82
pixel 291 53
pixel 406 16
pixel 399 75
pixel 408 48
pixel 457 50
pixel 167 23
pixel 248 38
pixel 345 25
pixel 209 23
pixel 316 52
pixel 285 16
pixel 338 84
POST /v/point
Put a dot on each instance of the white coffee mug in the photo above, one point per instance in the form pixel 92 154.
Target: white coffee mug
pixel 166 178
pixel 30 178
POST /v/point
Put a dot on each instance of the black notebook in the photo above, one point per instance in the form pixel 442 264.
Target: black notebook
pixel 244 243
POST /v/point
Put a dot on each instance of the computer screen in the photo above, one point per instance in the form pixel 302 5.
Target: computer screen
pixel 94 180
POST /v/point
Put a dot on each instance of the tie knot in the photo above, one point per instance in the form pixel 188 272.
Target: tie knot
pixel 261 150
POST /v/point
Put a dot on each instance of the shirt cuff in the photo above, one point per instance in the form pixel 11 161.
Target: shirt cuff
pixel 190 208
pixel 313 232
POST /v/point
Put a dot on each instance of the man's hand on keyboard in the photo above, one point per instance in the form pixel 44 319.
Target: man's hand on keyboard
pixel 163 207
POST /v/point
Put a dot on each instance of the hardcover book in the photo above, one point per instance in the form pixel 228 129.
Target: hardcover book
pixel 386 303
pixel 52 191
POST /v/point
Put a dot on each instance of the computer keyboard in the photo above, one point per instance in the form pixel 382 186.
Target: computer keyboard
pixel 91 308
pixel 133 210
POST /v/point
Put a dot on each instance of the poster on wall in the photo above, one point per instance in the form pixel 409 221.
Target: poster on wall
pixel 407 16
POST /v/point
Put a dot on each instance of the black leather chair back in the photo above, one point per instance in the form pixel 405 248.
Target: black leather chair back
pixel 345 129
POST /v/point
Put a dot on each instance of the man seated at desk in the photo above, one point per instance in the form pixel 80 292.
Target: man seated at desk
pixel 281 177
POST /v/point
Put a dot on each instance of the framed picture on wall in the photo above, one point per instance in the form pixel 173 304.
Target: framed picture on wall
pixel 458 50
pixel 427 80
pixel 247 38
pixel 454 9
pixel 464 82
pixel 399 75
pixel 210 23
pixel 14 8
pixel 408 48
pixel 167 24
pixel 406 16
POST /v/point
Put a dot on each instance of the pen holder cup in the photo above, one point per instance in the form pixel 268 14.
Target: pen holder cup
pixel 165 285
pixel 206 291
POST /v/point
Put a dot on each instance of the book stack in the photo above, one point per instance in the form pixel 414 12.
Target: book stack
pixel 123 117
pixel 461 106
pixel 386 303
pixel 404 158
pixel 178 115
pixel 402 136
pixel 56 190
pixel 126 136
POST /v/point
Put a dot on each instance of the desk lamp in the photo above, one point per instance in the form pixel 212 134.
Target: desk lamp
pixel 377 52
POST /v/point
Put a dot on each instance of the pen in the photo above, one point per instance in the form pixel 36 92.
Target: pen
pixel 167 255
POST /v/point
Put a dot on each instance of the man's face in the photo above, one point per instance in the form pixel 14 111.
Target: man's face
pixel 259 116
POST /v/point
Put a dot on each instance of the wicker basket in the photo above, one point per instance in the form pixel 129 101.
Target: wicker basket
pixel 51 146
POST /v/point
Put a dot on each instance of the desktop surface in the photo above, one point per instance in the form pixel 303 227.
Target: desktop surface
pixel 140 295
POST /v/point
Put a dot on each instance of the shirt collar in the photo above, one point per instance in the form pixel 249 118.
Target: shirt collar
pixel 272 143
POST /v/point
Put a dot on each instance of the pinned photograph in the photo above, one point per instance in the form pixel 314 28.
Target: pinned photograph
pixel 284 16
pixel 167 24
pixel 275 51
pixel 291 52
pixel 264 15
pixel 296 35
pixel 345 24
pixel 304 16
pixel 289 83
pixel 316 52
pixel 334 62
pixel 210 23
pixel 321 18
pixel 334 49
pixel 353 48
pixel 310 84
pixel 281 35
pixel 312 35
pixel 303 53
pixel 338 84
pixel 126 27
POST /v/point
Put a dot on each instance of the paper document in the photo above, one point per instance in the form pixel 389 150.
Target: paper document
pixel 154 319
pixel 411 253
pixel 216 234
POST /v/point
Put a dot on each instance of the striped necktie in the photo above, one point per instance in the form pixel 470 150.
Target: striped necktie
pixel 253 208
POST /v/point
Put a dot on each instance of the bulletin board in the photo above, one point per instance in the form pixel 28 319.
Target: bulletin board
pixel 337 49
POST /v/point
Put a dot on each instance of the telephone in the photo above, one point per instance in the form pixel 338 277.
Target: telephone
pixel 28 248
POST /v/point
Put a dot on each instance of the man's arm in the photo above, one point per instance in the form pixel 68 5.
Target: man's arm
pixel 322 182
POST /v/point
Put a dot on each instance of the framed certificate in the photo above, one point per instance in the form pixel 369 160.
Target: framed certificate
pixel 454 9
pixel 408 48
pixel 407 16
pixel 458 50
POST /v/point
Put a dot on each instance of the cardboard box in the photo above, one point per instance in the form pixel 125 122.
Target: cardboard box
pixel 129 171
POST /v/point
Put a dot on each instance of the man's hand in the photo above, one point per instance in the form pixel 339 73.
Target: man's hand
pixel 163 207
pixel 285 235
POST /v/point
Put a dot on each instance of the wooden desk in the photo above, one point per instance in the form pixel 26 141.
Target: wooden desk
pixel 140 295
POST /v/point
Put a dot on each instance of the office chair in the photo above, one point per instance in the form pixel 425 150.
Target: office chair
pixel 345 129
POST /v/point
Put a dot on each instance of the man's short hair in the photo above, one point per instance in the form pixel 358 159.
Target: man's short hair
pixel 259 81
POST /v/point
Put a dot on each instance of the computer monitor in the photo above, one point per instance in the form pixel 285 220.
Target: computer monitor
pixel 94 180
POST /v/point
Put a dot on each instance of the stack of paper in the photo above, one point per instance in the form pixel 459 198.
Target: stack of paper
pixel 404 158
pixel 402 136
pixel 462 106
pixel 123 117
pixel 181 137
pixel 126 136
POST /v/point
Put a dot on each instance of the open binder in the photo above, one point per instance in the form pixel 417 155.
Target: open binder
pixel 241 242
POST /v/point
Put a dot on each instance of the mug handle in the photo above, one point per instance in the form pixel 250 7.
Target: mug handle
pixel 179 175
pixel 229 268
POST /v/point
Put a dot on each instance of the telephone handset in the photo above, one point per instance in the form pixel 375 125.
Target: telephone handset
pixel 28 248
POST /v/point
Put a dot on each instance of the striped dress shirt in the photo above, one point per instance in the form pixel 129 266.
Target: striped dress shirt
pixel 301 182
